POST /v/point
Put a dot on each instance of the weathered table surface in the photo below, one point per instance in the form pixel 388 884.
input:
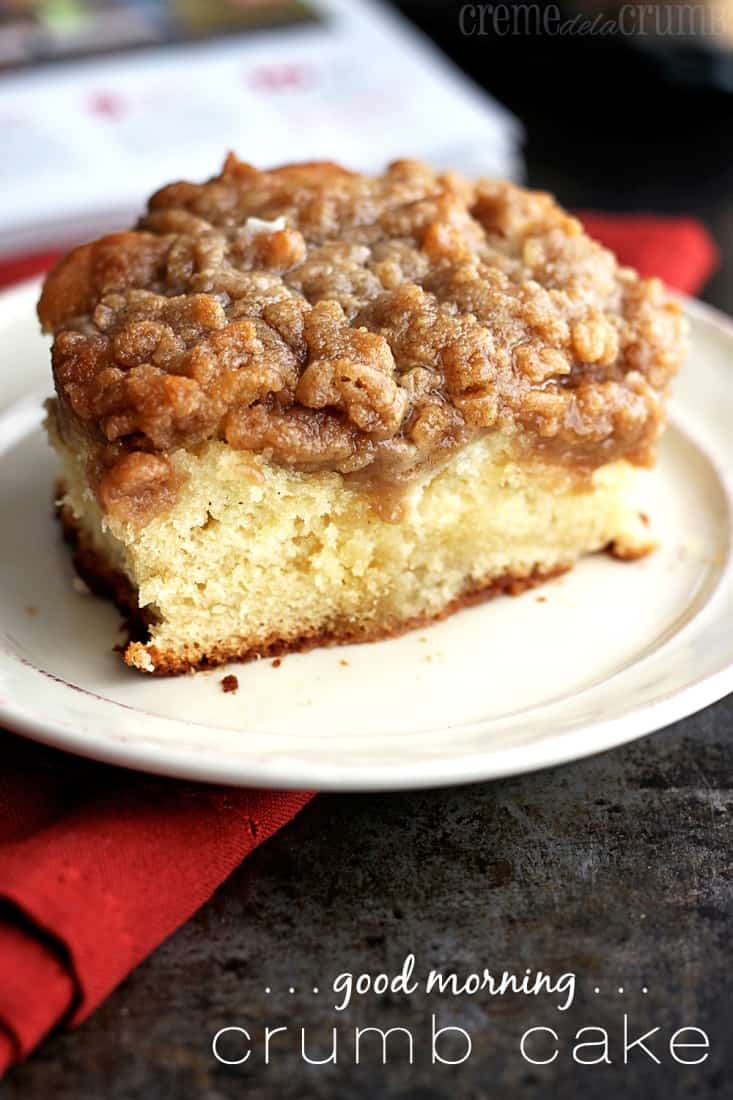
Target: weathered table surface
pixel 618 868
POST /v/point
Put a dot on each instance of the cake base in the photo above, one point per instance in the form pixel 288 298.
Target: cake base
pixel 105 581
pixel 254 559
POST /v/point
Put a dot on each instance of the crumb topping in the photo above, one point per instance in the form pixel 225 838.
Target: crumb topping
pixel 364 324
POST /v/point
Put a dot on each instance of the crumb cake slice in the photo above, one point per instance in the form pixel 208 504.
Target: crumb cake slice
pixel 308 406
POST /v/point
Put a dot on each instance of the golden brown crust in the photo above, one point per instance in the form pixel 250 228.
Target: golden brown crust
pixel 367 324
pixel 111 584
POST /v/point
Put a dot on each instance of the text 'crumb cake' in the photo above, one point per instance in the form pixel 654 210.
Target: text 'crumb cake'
pixel 307 405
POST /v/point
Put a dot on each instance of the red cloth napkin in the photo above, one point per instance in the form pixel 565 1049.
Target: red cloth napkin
pixel 98 865
pixel 679 250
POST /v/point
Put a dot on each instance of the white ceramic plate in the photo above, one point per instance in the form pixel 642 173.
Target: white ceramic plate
pixel 603 655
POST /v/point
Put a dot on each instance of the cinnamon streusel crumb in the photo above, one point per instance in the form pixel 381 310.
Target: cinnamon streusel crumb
pixel 364 324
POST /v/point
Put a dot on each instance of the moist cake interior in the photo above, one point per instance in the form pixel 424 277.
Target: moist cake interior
pixel 255 559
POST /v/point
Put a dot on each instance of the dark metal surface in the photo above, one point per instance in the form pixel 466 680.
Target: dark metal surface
pixel 618 868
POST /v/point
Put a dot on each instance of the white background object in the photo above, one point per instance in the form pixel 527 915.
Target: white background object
pixel 86 141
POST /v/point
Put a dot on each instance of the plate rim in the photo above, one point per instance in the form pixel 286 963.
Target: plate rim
pixel 186 764
pixel 202 765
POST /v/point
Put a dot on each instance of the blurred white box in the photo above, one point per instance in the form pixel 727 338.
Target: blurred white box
pixel 85 140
